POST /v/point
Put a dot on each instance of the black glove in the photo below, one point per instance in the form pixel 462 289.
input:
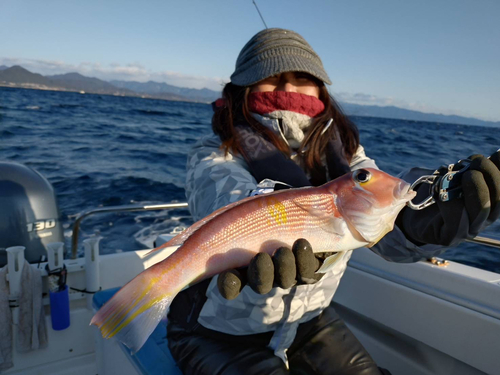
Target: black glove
pixel 443 223
pixel 284 269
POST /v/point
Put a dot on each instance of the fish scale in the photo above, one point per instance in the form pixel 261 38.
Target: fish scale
pixel 275 224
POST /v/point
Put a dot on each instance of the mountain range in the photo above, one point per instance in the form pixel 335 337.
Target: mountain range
pixel 158 89
pixel 17 76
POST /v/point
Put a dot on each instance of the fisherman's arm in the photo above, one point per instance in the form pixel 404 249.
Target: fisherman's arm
pixel 429 232
pixel 360 160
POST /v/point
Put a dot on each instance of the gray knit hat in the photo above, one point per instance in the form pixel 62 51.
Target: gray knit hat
pixel 274 51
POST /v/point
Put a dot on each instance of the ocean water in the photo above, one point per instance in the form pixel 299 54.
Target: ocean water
pixel 99 150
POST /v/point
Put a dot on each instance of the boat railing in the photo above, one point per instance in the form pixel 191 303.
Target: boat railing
pixel 114 209
pixel 488 241
pixel 481 240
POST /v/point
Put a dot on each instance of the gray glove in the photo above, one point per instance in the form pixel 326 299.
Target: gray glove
pixel 452 222
pixel 284 269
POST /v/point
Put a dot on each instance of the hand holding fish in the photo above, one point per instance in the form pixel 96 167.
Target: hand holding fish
pixel 286 268
pixel 352 211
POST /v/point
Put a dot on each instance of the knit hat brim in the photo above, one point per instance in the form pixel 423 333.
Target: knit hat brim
pixel 272 66
pixel 275 51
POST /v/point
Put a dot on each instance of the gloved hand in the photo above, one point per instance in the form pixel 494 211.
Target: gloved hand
pixel 449 223
pixel 284 269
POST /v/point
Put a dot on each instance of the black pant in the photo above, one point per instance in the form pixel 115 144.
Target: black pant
pixel 323 345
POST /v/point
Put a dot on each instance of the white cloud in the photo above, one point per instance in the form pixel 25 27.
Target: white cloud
pixel 367 99
pixel 129 72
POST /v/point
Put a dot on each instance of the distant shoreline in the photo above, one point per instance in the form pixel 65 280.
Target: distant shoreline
pixel 33 86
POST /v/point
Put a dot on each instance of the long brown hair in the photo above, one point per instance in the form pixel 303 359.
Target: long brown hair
pixel 235 110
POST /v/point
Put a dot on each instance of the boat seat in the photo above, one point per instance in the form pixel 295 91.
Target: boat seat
pixel 154 357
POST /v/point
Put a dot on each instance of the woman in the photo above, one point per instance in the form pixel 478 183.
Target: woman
pixel 273 130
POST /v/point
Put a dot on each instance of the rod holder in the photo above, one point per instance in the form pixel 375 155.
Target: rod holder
pixel 92 274
pixel 15 264
pixel 55 255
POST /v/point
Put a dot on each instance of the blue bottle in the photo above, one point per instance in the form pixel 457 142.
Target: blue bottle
pixel 59 309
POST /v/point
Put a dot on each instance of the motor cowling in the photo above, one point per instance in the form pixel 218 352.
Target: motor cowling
pixel 29 214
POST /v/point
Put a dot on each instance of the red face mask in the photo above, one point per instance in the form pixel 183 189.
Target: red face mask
pixel 267 102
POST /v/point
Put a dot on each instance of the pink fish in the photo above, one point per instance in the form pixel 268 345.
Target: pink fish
pixel 353 211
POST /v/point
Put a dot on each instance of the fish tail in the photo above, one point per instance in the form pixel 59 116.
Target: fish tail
pixel 134 311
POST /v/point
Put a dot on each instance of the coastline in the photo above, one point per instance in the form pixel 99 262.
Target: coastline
pixel 34 86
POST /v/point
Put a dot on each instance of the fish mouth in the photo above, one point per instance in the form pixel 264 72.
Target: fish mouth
pixel 403 192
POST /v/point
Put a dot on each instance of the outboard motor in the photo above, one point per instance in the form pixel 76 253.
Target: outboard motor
pixel 29 215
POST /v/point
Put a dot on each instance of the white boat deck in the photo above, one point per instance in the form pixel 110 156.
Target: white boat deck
pixel 413 318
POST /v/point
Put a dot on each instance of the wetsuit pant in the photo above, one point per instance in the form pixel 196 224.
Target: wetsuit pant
pixel 324 345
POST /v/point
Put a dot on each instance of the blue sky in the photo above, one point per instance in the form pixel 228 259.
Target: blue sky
pixel 439 56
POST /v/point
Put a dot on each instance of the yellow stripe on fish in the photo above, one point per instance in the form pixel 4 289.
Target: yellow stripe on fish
pixel 142 309
pixel 110 325
pixel 109 328
pixel 277 210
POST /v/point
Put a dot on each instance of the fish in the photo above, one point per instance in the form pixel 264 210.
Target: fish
pixel 352 211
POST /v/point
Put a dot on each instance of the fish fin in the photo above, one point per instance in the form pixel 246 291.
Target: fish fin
pixel 330 262
pixel 133 312
pixel 329 223
pixel 153 250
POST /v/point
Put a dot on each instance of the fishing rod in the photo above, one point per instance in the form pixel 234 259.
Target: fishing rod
pixel 262 18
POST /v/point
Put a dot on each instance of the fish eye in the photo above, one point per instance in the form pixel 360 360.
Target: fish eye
pixel 362 175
